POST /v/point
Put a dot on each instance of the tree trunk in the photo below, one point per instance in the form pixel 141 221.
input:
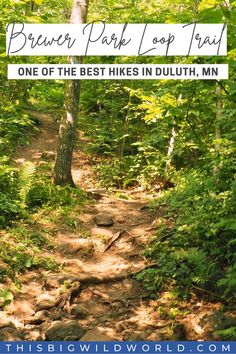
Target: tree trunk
pixel 171 144
pixel 170 150
pixel 67 132
pixel 126 130
pixel 227 4
pixel 218 127
pixel 196 5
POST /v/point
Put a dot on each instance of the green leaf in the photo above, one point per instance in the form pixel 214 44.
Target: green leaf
pixel 6 297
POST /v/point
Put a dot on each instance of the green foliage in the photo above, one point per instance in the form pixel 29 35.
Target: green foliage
pixel 44 194
pixel 38 192
pixel 21 249
pixel 228 282
pixel 30 238
pixel 22 192
pixel 226 334
pixel 178 267
pixel 14 126
pixel 119 173
pixel 6 297
pixel 199 249
pixel 26 180
pixel 9 203
pixel 145 168
pixel 47 98
pixel 19 260
pixel 129 125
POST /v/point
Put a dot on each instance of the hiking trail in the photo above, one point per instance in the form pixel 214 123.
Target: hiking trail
pixel 94 295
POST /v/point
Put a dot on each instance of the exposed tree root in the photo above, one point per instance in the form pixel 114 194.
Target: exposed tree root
pixel 113 240
pixel 83 279
pixel 63 300
pixel 99 279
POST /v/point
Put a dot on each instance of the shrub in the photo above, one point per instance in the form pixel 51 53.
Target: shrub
pixel 10 205
pixel 200 247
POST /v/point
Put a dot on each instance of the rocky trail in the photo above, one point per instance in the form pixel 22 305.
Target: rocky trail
pixel 94 296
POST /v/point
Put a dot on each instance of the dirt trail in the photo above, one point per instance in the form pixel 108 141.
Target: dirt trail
pixel 110 304
pixel 94 295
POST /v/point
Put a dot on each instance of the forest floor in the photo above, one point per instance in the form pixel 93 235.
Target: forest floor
pixel 94 295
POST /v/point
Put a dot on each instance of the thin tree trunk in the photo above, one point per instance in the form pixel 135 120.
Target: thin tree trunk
pixel 171 143
pixel 196 6
pixel 218 127
pixel 126 130
pixel 67 132
pixel 227 4
pixel 170 149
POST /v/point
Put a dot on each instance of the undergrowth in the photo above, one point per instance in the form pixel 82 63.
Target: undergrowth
pixel 21 249
pixel 25 190
pixel 26 195
pixel 195 243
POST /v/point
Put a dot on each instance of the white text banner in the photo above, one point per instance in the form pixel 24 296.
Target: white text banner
pixel 101 39
pixel 118 71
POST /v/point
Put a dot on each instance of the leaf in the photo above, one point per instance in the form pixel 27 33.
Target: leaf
pixel 6 297
pixel 227 334
pixel 38 2
pixel 28 263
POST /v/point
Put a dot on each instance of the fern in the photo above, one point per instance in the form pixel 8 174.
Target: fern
pixel 226 334
pixel 26 180
pixel 228 282
pixel 200 265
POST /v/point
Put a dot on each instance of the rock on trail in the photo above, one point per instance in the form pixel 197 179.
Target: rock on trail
pixel 64 331
pixel 103 219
